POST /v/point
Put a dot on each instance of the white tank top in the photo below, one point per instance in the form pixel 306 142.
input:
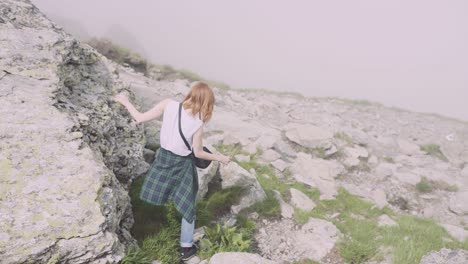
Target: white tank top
pixel 170 138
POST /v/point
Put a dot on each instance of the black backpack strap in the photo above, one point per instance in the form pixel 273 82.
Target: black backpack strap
pixel 180 128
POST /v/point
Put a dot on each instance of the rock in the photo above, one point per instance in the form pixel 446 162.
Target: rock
pixel 464 172
pixel 314 240
pixel 242 158
pixel 287 211
pixel 379 197
pixel 384 170
pixel 300 200
pixel 385 220
pixel 205 176
pixel 234 175
pixel 266 141
pixel 67 152
pixel 270 155
pixel 149 155
pixel 407 148
pixel 152 135
pixel 280 165
pixel 408 177
pixel 353 155
pixel 458 203
pixel 373 160
pixel 308 136
pixel 457 232
pixel 239 258
pixel 317 173
pixel 446 256
pixel 284 148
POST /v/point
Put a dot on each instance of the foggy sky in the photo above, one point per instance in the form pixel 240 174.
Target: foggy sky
pixel 411 54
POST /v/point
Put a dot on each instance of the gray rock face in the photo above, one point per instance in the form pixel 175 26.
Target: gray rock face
pixel 62 145
pixel 458 203
pixel 446 256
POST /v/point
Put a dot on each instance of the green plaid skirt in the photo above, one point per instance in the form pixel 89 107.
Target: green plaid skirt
pixel 172 178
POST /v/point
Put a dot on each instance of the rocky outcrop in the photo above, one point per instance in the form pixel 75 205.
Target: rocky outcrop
pixel 67 153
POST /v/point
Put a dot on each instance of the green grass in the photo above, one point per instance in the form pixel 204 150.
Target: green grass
pixel 231 150
pixel 149 219
pixel 162 246
pixel 344 137
pixel 424 185
pixel 357 220
pixel 433 150
pixel 217 204
pixel 224 239
pixel 388 159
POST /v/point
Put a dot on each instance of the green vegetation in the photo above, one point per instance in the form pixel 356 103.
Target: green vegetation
pixel 424 186
pixel 363 238
pixel 433 150
pixel 231 150
pixel 388 159
pixel 305 261
pixel 224 239
pixel 344 137
pixel 162 246
pixel 217 204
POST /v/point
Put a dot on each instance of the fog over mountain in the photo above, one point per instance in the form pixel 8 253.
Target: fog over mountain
pixel 408 54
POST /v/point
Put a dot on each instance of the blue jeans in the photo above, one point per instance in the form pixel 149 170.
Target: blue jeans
pixel 186 233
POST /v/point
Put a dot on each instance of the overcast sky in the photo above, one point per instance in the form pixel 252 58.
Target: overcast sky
pixel 412 54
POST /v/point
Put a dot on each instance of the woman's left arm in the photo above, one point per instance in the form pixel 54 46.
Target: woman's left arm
pixel 153 113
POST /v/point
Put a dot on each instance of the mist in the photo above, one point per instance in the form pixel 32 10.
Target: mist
pixel 406 54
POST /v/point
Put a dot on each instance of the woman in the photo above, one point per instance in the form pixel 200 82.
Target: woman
pixel 173 175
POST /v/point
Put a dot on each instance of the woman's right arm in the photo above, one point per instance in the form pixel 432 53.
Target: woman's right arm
pixel 200 153
pixel 153 113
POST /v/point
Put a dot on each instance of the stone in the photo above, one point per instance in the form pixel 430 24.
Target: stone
pixel 149 155
pixel 379 197
pixel 458 203
pixel 308 136
pixel 464 172
pixel 242 158
pixel 234 175
pixel 239 258
pixel 68 154
pixel 314 240
pixel 284 148
pixel 270 155
pixel 205 176
pixel 446 256
pixel 300 200
pixel 287 211
pixel 266 141
pixel 317 173
pixel 385 220
pixel 280 165
pixel 408 178
pixel 353 155
pixel 407 147
pixel 457 232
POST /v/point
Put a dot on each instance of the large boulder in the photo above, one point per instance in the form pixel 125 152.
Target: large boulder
pixel 64 147
pixel 458 203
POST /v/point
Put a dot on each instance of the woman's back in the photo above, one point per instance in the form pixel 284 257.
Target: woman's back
pixel 170 138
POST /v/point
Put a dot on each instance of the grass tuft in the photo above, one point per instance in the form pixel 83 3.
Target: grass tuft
pixel 433 150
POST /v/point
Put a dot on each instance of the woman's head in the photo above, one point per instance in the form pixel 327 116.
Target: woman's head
pixel 200 100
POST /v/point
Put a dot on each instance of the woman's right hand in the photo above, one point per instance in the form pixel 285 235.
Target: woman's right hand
pixel 224 159
pixel 121 98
